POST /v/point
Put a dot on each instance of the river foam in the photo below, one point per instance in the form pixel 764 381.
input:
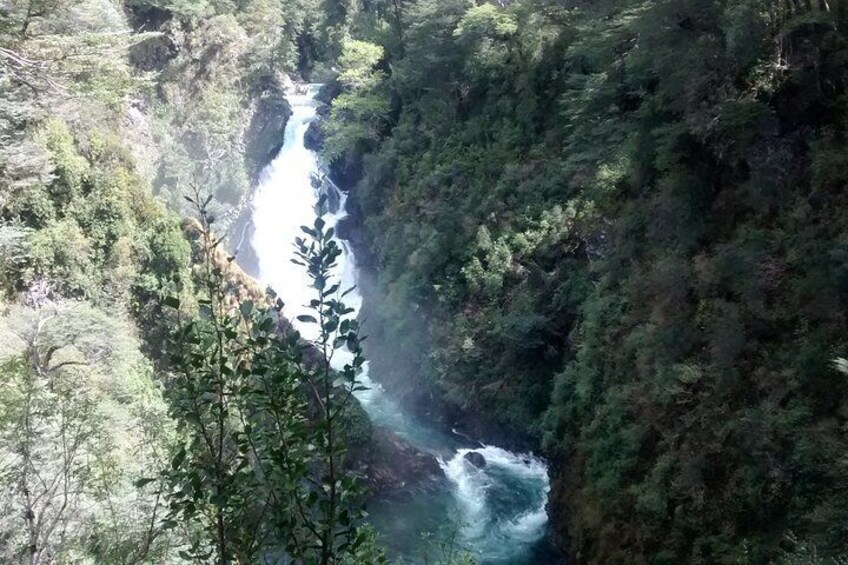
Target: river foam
pixel 505 476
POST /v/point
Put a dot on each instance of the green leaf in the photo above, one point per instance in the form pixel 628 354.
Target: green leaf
pixel 178 458
pixel 171 301
pixel 307 319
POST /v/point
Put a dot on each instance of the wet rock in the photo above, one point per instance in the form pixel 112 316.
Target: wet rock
pixel 264 136
pixel 391 466
pixel 241 236
pixel 314 137
pixel 329 91
pixel 476 459
pixel 346 171
pixel 328 191
pixel 346 229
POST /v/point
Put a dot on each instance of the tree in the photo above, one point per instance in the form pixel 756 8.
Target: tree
pixel 259 467
pixel 359 113
pixel 81 422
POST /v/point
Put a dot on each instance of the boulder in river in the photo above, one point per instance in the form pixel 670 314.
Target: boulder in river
pixel 476 459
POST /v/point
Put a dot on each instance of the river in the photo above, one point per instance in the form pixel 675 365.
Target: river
pixel 497 513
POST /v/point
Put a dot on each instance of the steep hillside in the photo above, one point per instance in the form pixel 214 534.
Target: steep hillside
pixel 616 230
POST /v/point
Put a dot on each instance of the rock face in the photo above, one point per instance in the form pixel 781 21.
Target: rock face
pixel 346 171
pixel 391 466
pixel 264 137
pixel 475 459
pixel 314 137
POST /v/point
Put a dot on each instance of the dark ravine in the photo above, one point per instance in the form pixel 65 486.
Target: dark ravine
pixel 423 482
pixel 471 424
pixel 346 173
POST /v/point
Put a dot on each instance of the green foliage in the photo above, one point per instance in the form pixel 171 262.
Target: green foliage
pixel 189 8
pixel 259 466
pixel 86 230
pixel 359 113
pixel 215 60
pixel 85 135
pixel 357 61
pixel 82 420
pixel 70 185
pixel 485 21
pixel 615 230
pixel 203 115
pixel 483 30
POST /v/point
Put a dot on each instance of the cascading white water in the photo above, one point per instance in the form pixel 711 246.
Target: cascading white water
pixel 501 507
pixel 472 490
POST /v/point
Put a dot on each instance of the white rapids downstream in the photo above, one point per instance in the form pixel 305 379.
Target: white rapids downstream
pixel 498 512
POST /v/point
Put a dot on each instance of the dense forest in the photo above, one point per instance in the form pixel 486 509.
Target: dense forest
pixel 153 405
pixel 615 230
pixel 611 232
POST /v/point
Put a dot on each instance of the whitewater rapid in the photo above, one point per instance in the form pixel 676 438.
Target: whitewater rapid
pixel 499 510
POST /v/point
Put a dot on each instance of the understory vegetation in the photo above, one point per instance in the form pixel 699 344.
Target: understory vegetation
pixel 617 231
pixel 154 408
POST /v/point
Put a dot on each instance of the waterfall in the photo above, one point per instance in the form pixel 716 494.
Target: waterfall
pixel 500 507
